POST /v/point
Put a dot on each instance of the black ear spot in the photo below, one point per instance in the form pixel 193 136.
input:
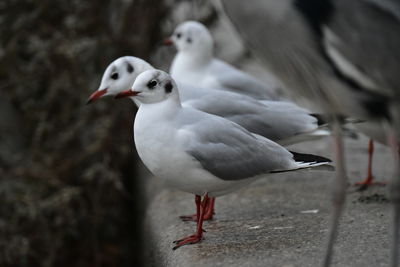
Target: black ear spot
pixel 129 68
pixel 189 40
pixel 168 87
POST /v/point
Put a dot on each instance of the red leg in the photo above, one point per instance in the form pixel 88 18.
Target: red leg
pixel 197 200
pixel 210 210
pixel 198 236
pixel 369 179
pixel 208 216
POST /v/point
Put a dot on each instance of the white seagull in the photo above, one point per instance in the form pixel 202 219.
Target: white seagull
pixel 195 64
pixel 281 121
pixel 200 153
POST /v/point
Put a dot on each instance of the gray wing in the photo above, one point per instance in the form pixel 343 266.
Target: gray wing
pixel 242 83
pixel 230 152
pixel 269 119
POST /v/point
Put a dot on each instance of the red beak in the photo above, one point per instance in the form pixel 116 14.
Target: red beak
pixel 93 97
pixel 168 42
pixel 126 93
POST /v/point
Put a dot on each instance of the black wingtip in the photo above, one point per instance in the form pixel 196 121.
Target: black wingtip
pixel 321 119
pixel 308 157
pixel 325 119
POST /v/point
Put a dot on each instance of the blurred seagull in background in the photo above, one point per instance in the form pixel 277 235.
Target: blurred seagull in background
pixel 201 153
pixel 195 64
pixel 343 55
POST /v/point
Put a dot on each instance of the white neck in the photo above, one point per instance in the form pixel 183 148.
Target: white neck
pixel 184 61
pixel 164 108
pixel 151 116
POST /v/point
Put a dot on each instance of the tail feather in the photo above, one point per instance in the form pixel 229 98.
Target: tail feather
pixel 309 161
pixel 325 119
pixel 309 158
pixel 321 119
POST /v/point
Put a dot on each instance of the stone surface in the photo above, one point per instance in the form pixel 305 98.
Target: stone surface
pixel 278 221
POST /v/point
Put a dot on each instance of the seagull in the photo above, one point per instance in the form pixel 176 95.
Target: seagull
pixel 281 121
pixel 195 64
pixel 343 55
pixel 201 153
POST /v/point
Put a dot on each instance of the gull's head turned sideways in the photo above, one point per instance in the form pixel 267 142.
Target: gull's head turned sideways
pixel 119 76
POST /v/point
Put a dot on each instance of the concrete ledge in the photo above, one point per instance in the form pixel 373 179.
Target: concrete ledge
pixel 272 222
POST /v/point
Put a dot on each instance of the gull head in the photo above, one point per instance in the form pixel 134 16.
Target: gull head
pixel 119 76
pixel 152 86
pixel 192 37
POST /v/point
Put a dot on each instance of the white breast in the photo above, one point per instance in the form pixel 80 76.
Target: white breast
pixel 163 155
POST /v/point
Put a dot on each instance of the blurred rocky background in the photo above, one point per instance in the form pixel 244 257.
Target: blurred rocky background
pixel 69 191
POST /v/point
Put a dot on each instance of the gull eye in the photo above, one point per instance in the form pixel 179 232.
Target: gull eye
pixel 178 35
pixel 114 76
pixel 189 40
pixel 151 84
